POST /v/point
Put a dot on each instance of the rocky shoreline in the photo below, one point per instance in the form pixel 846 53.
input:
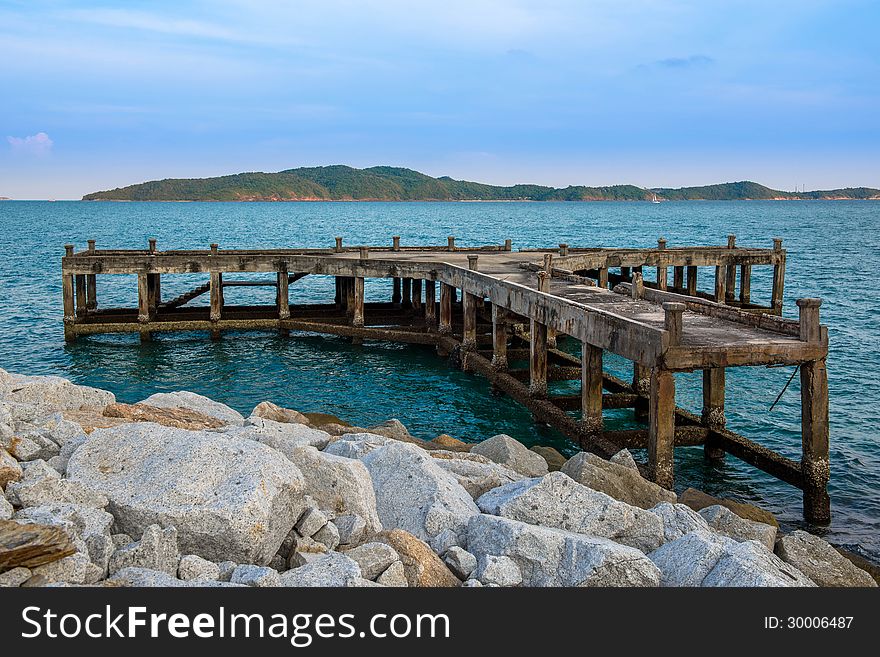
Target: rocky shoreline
pixel 180 490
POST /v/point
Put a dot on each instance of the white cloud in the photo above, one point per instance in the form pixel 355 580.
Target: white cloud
pixel 38 144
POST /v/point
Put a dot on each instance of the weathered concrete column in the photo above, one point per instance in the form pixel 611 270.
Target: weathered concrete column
pixel 544 286
pixel 691 281
pixel 81 294
pixel 357 293
pixel 364 253
pixel 283 295
pixel 778 292
pixel 216 296
pixel 155 290
pixel 720 284
pixel 349 296
pixel 661 270
pixel 815 462
pixel 591 389
pixel 538 350
pixel 144 304
pixel 91 284
pixel 338 247
pixel 641 384
pixel 678 278
pixel 406 296
pixel 339 298
pixel 745 284
pixel 508 245
pixel 500 336
pixel 396 243
pixel 661 427
pixel 395 292
pixel 469 317
pixel 417 294
pixel 447 294
pixel 67 294
pixel 730 269
pixel 450 243
pixel 713 408
pixel 430 305
pixel 603 277
pixel 563 249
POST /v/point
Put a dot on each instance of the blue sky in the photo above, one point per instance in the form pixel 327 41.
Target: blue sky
pixel 103 94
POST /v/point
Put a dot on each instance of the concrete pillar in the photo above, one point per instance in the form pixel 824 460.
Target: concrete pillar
pixel 720 284
pixel 144 304
pixel 678 279
pixel 406 295
pixel 283 295
pixel 430 305
pixel 81 300
pixel 713 408
pixel 730 269
pixel 357 295
pixel 396 242
pixel 641 384
pixel 499 338
pixel 395 294
pixel 338 247
pixel 778 292
pixel 661 270
pixel 745 284
pixel 591 389
pixel 538 349
pixel 447 294
pixel 417 294
pixel 661 427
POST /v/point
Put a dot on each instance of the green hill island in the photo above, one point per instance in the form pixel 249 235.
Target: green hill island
pixel 344 183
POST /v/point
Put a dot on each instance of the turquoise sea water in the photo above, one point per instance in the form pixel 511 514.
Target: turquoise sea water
pixel 833 253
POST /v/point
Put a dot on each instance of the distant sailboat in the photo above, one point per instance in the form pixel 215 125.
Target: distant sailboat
pixel 654 199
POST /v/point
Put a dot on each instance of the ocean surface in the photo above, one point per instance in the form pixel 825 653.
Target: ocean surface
pixel 833 253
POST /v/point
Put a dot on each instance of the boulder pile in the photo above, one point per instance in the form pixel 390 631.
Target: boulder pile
pixel 181 490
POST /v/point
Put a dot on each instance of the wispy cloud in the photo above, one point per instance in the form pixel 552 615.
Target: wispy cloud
pixel 38 144
pixel 685 62
pixel 144 21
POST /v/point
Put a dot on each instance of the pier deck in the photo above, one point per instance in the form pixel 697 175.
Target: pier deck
pixel 496 303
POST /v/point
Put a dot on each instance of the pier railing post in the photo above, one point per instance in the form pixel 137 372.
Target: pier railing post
pixel 776 295
pixel 81 301
pixel 603 277
pixel 730 269
pixel 447 294
pixel 720 284
pixel 713 408
pixel 538 348
pixel 469 312
pixel 364 253
pixel 450 243
pixel 508 245
pixel 499 338
pixel 672 320
pixel 591 390
pixel 395 240
pixel 661 269
pixel 338 247
pixel 641 384
pixel 563 249
pixel 661 431
pixel 637 288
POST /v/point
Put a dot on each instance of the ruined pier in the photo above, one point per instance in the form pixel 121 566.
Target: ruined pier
pixel 496 306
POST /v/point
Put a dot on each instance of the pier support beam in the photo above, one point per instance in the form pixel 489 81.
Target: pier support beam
pixel 447 295
pixel 603 277
pixel 678 278
pixel 815 464
pixel 417 294
pixel 216 301
pixel 144 304
pixel 81 301
pixel 430 305
pixel 357 296
pixel 538 349
pixel 155 293
pixel 67 294
pixel 641 384
pixel 745 284
pixel 283 299
pixel 661 430
pixel 395 292
pixel 406 296
pixel 499 338
pixel 720 284
pixel 691 281
pixel 713 409
pixel 730 269
pixel 591 390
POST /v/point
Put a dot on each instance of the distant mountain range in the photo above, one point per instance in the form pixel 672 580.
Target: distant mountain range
pixel 344 183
